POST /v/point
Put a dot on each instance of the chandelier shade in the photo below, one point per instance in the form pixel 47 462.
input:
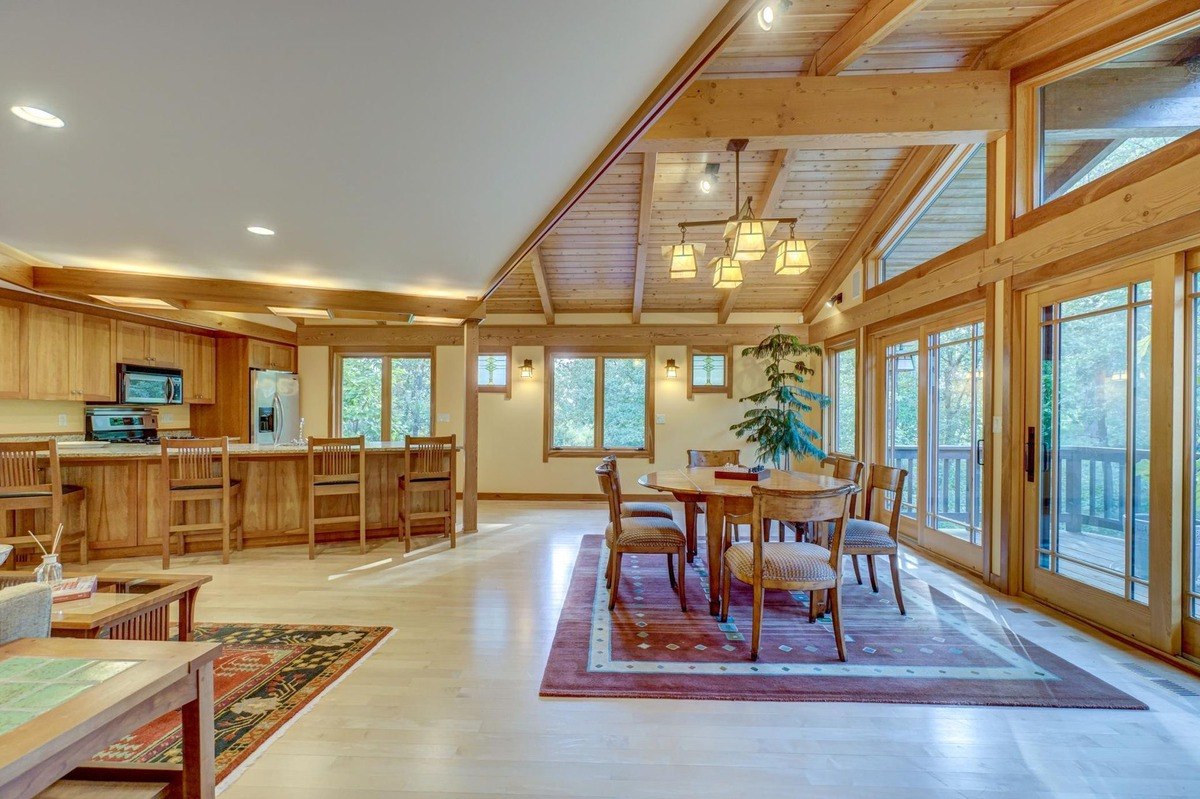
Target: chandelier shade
pixel 683 258
pixel 749 237
pixel 727 272
pixel 791 257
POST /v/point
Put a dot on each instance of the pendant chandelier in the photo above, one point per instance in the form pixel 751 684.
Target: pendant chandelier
pixel 745 238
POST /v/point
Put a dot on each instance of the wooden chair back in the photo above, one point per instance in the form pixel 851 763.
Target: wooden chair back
pixel 194 463
pixel 888 480
pixel 429 457
pixel 829 505
pixel 846 469
pixel 606 473
pixel 21 470
pixel 714 457
pixel 616 478
pixel 336 460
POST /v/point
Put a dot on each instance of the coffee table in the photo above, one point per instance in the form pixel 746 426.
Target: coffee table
pixel 126 606
pixel 64 700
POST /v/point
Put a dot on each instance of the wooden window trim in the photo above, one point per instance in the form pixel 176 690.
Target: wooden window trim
pixel 337 354
pixel 505 389
pixel 727 388
pixel 832 350
pixel 596 451
pixel 1114 42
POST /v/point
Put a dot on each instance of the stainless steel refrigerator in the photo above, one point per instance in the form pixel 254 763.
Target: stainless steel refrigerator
pixel 274 407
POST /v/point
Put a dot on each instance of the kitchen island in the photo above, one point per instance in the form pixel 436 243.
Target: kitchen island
pixel 125 510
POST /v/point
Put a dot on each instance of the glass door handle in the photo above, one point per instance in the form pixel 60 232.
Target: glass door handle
pixel 1030 438
pixel 979 452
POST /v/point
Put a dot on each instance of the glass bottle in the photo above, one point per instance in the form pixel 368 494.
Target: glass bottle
pixel 50 570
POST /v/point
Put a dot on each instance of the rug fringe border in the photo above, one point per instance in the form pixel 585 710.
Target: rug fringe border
pixel 253 756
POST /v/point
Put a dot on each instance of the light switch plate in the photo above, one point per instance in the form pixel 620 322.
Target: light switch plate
pixel 997 424
pixel 62 420
pixel 660 418
pixel 443 417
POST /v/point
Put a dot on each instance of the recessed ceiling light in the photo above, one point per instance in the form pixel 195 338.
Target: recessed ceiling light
pixel 766 17
pixel 135 302
pixel 37 116
pixel 303 313
pixel 705 185
pixel 258 230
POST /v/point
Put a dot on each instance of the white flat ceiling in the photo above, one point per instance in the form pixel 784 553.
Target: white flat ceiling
pixel 406 146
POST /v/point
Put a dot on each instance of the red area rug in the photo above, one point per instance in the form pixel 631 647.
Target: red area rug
pixel 942 652
pixel 265 678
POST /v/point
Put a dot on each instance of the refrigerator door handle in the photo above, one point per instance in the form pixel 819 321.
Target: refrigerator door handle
pixel 278 426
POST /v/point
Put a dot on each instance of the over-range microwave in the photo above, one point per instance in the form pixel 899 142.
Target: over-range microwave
pixel 148 385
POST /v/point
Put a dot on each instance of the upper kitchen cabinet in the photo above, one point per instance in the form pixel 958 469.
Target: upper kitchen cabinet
pixel 148 346
pixel 265 355
pixel 199 356
pixel 14 382
pixel 69 355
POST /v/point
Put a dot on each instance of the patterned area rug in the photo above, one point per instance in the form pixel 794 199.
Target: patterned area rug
pixel 265 678
pixel 942 652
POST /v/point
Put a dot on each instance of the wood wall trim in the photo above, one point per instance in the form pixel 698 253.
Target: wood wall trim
pixel 695 58
pixel 542 336
pixel 470 484
pixel 779 113
pixel 977 244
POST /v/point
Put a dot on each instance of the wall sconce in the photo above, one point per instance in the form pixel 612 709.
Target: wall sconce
pixel 527 369
pixel 672 369
pixel 836 299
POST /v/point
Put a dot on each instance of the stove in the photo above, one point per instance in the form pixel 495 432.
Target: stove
pixel 121 425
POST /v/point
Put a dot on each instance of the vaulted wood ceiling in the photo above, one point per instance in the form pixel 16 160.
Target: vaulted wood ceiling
pixel 590 261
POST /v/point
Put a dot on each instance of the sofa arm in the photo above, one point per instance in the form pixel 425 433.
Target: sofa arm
pixel 25 612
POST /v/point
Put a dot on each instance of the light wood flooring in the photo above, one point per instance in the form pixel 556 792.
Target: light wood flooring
pixel 448 707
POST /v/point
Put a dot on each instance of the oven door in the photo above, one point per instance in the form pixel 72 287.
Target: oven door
pixel 150 388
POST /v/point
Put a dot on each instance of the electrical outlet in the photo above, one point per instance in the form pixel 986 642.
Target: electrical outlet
pixel 62 420
pixel 660 418
pixel 168 417
pixel 443 417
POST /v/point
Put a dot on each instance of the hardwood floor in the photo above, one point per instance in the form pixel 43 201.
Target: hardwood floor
pixel 449 708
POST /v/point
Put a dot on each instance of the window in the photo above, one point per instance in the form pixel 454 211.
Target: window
pixel 956 215
pixel 598 403
pixel 384 396
pixel 495 372
pixel 843 392
pixel 1102 118
pixel 902 404
pixel 710 371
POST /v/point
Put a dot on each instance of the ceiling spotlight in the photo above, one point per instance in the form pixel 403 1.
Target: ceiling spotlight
pixel 836 299
pixel 260 231
pixel 706 185
pixel 709 179
pixel 766 17
pixel 37 116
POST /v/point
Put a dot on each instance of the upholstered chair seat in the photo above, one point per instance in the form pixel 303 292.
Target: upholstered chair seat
pixel 642 509
pixel 804 566
pixel 865 536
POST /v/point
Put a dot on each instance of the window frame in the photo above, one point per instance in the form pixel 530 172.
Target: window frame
pixel 700 349
pixel 832 350
pixel 505 389
pixel 597 450
pixel 338 354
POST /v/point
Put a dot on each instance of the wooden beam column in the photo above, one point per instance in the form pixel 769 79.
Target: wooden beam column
pixel 471 427
pixel 645 203
pixel 539 277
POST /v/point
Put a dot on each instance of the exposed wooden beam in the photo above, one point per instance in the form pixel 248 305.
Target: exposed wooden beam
pixel 645 206
pixel 1123 103
pixel 539 277
pixel 693 61
pixel 74 280
pixel 1068 23
pixel 16 266
pixel 787 112
pixel 870 25
pixel 539 335
pixel 781 168
pixel 913 172
pixel 825 141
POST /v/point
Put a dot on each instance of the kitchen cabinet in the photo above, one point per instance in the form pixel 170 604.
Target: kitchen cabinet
pixel 199 357
pixel 147 346
pixel 265 355
pixel 14 383
pixel 69 355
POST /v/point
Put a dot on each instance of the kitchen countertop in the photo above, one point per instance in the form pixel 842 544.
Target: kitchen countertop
pixel 151 451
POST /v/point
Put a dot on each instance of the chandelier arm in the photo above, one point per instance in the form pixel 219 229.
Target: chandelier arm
pixel 705 223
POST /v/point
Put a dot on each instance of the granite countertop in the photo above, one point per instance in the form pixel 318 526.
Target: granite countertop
pixel 132 451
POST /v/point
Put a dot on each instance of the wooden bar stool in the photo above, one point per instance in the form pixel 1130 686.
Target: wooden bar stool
pixel 29 483
pixel 197 470
pixel 336 467
pixel 428 472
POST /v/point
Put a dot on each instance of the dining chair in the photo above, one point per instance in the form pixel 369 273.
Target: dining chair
pixel 737 511
pixel 842 469
pixel 790 565
pixel 866 536
pixel 31 480
pixel 636 509
pixel 197 470
pixel 336 467
pixel 642 535
pixel 429 472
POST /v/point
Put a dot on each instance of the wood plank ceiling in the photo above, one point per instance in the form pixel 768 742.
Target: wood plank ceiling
pixel 590 258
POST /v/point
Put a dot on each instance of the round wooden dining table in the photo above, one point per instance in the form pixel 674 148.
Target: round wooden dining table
pixel 695 484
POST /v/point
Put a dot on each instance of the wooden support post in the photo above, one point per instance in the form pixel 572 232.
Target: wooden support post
pixel 471 427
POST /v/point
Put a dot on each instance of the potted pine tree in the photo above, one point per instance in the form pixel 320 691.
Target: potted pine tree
pixel 776 422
